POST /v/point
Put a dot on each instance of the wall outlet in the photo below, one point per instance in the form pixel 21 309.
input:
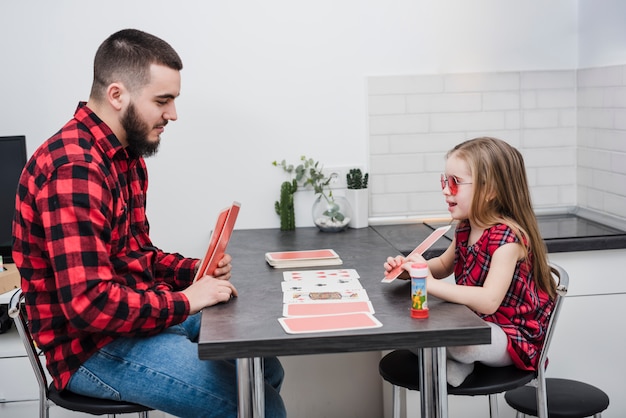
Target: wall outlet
pixel 338 176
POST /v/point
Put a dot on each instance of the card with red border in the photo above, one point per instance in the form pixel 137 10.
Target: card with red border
pixel 219 240
pixel 342 322
pixel 391 275
pixel 306 258
pixel 326 308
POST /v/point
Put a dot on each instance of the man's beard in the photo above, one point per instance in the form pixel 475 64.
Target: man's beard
pixel 137 132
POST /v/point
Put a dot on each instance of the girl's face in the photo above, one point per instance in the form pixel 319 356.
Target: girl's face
pixel 459 204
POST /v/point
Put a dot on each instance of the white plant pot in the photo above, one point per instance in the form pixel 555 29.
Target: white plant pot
pixel 359 201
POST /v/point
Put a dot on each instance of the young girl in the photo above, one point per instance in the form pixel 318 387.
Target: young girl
pixel 497 256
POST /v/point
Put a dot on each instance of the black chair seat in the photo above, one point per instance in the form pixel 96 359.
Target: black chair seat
pixel 566 399
pixel 401 368
pixel 74 402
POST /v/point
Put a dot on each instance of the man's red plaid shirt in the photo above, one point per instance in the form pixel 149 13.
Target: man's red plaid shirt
pixel 90 272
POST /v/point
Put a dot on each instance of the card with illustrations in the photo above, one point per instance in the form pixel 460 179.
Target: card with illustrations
pixel 304 275
pixel 297 296
pixel 321 285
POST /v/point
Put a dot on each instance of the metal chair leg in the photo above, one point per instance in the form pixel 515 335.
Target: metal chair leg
pixel 493 405
pixel 395 392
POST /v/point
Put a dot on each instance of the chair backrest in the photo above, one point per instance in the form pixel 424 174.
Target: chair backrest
pixel 21 323
pixel 562 279
pixel 562 283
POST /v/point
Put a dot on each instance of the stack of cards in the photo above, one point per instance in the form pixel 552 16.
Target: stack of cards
pixel 325 300
pixel 307 258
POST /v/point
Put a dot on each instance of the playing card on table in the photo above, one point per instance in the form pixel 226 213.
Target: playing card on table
pixel 340 322
pixel 296 296
pixel 322 285
pixel 303 275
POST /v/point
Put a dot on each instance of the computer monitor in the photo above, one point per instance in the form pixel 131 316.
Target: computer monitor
pixel 12 161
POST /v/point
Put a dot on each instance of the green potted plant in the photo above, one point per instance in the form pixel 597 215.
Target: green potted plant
pixel 330 213
pixel 358 197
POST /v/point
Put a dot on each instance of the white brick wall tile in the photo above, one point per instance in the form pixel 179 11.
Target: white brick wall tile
pixel 556 98
pixel 590 97
pixel 470 102
pixel 390 204
pixel 501 100
pixel 550 157
pixel 546 196
pixel 615 204
pixel 615 97
pixel 482 82
pixel 513 120
pixel 605 76
pixel 540 118
pixel 528 99
pixel 396 163
pixel 567 117
pixel 595 199
pixel 620 119
pixel 436 163
pixel 409 183
pixel 446 122
pixel 612 140
pixel 595 118
pixel 398 124
pixel 387 105
pixel 423 143
pixel 556 176
pixel 405 84
pixel 548 79
pixel 510 136
pixel 584 176
pixel 594 158
pixel 568 195
pixel 618 163
pixel 378 144
pixel 550 137
pixel 427 203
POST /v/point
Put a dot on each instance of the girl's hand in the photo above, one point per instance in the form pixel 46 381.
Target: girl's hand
pixel 393 262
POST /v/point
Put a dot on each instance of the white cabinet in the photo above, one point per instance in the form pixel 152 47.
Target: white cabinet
pixel 19 391
pixel 18 381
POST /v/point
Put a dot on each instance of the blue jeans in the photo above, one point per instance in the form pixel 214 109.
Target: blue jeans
pixel 165 373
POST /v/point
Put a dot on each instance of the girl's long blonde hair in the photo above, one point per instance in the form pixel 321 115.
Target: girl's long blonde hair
pixel 501 195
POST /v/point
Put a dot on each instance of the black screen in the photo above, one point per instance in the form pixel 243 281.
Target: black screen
pixel 12 161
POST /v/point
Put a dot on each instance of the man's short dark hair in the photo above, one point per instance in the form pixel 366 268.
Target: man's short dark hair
pixel 126 57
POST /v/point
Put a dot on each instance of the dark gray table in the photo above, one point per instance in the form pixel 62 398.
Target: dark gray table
pixel 247 327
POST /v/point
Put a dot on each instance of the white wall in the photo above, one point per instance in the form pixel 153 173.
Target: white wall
pixel 262 81
pixel 601 33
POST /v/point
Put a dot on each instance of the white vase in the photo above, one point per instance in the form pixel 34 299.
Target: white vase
pixel 359 201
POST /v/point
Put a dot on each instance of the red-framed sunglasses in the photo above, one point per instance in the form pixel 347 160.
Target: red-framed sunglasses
pixel 453 184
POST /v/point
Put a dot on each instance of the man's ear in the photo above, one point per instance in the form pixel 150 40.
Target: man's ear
pixel 117 96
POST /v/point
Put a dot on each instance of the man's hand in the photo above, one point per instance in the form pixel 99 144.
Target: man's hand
pixel 222 272
pixel 209 291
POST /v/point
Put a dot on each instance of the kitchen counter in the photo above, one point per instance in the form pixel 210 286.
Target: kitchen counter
pixel 562 233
